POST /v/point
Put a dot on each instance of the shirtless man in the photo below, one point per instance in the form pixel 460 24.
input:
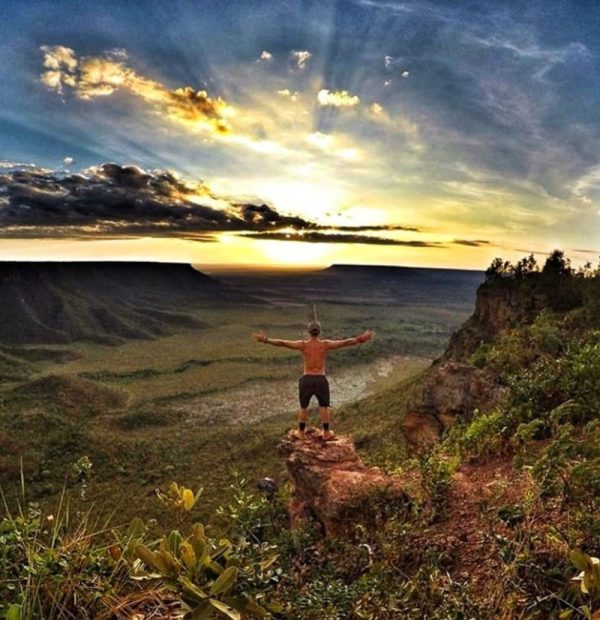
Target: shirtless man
pixel 314 381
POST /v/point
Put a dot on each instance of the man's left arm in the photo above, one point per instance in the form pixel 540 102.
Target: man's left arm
pixel 350 342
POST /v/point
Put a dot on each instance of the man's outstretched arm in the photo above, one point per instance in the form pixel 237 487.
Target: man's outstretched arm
pixel 349 342
pixel 276 342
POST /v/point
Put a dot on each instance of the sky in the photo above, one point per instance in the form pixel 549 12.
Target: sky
pixel 299 133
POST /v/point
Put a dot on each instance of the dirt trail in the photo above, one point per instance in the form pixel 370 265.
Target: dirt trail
pixel 468 526
pixel 252 402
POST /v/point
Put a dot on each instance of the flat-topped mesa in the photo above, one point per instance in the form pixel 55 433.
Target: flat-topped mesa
pixel 334 486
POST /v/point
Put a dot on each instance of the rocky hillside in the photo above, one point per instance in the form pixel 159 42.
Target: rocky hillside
pixel 510 297
pixel 495 516
pixel 101 302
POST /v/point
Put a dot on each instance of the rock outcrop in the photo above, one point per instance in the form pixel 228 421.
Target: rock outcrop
pixel 451 389
pixel 332 485
pixel 498 306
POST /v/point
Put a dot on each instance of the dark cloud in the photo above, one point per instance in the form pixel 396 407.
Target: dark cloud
pixel 320 237
pixel 122 200
pixel 582 251
pixel 475 243
pixel 111 200
pixel 378 228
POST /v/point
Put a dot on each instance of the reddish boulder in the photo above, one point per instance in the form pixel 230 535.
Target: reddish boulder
pixel 334 486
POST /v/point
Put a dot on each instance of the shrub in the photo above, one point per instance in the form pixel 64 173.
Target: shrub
pixel 484 435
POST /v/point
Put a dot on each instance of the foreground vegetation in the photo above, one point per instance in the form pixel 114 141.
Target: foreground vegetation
pixel 504 523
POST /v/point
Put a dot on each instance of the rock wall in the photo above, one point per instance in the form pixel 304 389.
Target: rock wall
pixel 450 389
pixel 453 387
pixel 498 305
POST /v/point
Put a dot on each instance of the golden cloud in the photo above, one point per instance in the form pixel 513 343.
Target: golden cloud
pixel 96 76
pixel 338 99
pixel 290 94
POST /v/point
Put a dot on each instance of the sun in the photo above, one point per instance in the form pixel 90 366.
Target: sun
pixel 294 252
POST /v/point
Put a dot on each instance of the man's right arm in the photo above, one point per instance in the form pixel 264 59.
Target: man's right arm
pixel 276 342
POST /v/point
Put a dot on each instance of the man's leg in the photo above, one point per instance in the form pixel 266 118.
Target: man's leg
pixel 302 419
pixel 325 421
pixel 323 396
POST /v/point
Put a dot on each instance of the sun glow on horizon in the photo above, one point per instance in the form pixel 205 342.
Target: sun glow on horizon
pixel 295 253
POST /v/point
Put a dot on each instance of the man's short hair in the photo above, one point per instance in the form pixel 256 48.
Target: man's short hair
pixel 314 328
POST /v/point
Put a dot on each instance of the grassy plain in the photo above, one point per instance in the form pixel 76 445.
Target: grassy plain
pixel 203 402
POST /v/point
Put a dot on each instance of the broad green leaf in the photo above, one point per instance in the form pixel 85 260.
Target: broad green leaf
pixel 202 612
pixel 237 602
pixel 147 556
pixel 254 608
pixel 136 528
pixel 225 609
pixel 188 555
pixel 193 589
pixel 596 574
pixel 578 558
pixel 215 567
pixel 225 581
pixel 205 560
pixel 165 562
pixel 198 531
pixel 174 540
pixel 275 606
pixel 588 582
pixel 14 612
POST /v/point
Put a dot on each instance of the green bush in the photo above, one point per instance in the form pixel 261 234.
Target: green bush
pixel 484 435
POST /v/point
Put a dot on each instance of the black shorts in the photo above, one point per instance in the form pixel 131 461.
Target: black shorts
pixel 313 385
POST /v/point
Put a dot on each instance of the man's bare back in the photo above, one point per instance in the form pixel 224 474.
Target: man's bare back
pixel 314 353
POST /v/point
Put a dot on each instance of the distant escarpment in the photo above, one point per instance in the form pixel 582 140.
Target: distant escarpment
pixel 463 380
pixel 55 303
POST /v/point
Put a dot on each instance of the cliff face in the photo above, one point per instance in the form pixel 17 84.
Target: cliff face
pixel 453 387
pixel 332 484
pixel 497 306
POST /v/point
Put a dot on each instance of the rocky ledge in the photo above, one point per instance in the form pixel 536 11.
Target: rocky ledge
pixel 451 389
pixel 332 485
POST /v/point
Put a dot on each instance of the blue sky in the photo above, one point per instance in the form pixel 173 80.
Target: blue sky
pixel 426 133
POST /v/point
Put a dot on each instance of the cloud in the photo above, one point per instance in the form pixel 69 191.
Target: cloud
pixel 379 228
pixel 96 76
pixel 338 99
pixel 471 242
pixel 300 58
pixel 265 56
pixel 582 251
pixel 334 146
pixel 405 74
pixel 118 201
pixel 122 200
pixel 377 109
pixel 321 237
pixel 290 94
pixel 67 161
